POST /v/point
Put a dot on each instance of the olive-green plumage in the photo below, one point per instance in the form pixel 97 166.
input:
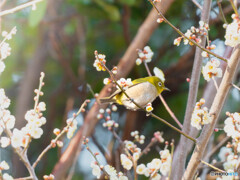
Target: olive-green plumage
pixel 143 91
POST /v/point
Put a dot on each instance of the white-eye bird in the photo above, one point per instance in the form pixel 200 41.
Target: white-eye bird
pixel 142 91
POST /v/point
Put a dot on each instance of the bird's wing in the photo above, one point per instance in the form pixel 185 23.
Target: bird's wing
pixel 135 82
pixel 140 80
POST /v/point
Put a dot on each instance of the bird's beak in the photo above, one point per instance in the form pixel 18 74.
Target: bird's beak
pixel 166 89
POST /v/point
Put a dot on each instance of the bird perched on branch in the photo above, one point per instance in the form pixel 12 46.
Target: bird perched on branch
pixel 142 91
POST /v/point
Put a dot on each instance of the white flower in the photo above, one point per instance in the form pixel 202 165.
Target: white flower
pixel 124 83
pixel 17 138
pixel 5 141
pixel 177 41
pixel 10 121
pixel 42 106
pixel 111 171
pixel 4 165
pixel 7 119
pixel 97 63
pixel 232 125
pixel 204 54
pixel 147 172
pixel 232 36
pixel 145 55
pixel 156 176
pixel 201 24
pixel 164 154
pixel 187 34
pixel 138 61
pixel 136 156
pixel 4 100
pixel 129 144
pixel 196 122
pixel 211 69
pixel 2 66
pixel 200 115
pixel 126 163
pixel 6 176
pixel 123 178
pixel 96 171
pixel 232 163
pixel 109 123
pixel 165 168
pixel 141 169
pixel 36 132
pixel 106 81
pixel 5 50
pixel 149 107
pixel 72 128
pixel 155 164
pixel 31 115
pixel 224 152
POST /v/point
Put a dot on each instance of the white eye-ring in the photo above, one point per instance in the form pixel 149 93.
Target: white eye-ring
pixel 159 83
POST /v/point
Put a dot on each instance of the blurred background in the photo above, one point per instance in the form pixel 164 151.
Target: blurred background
pixel 60 37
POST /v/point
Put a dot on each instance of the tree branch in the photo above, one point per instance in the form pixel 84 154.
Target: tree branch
pixel 215 111
pixel 180 158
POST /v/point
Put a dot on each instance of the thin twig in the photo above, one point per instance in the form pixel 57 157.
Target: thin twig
pixel 164 102
pixel 22 6
pixel 215 83
pixel 150 113
pixel 183 35
pixel 197 4
pixel 234 8
pixel 146 149
pixel 221 11
pixel 219 145
pixel 22 156
pixel 236 86
pixel 58 136
pixel 214 167
pixel 172 151
pixel 24 178
pixel 96 160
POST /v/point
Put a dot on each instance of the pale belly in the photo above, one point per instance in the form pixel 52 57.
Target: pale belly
pixel 141 95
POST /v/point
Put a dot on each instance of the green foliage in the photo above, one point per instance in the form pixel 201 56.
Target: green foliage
pixel 36 16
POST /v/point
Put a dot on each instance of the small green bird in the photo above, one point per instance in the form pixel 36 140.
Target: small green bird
pixel 142 91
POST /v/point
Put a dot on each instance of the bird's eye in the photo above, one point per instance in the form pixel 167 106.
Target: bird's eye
pixel 159 83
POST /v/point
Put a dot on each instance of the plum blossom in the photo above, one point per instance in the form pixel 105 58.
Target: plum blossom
pixel 72 127
pixel 232 125
pixel 224 152
pixel 4 165
pixel 232 36
pixel 111 171
pixel 149 107
pixel 124 83
pixel 141 169
pixel 17 138
pixel 5 141
pixel 97 63
pixel 6 176
pixel 96 171
pixel 126 162
pixel 145 55
pixel 200 115
pixel 211 70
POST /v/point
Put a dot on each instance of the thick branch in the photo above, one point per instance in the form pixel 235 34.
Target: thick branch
pixel 180 158
pixel 215 111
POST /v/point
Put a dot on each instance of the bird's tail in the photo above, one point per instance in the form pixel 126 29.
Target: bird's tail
pixel 107 100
